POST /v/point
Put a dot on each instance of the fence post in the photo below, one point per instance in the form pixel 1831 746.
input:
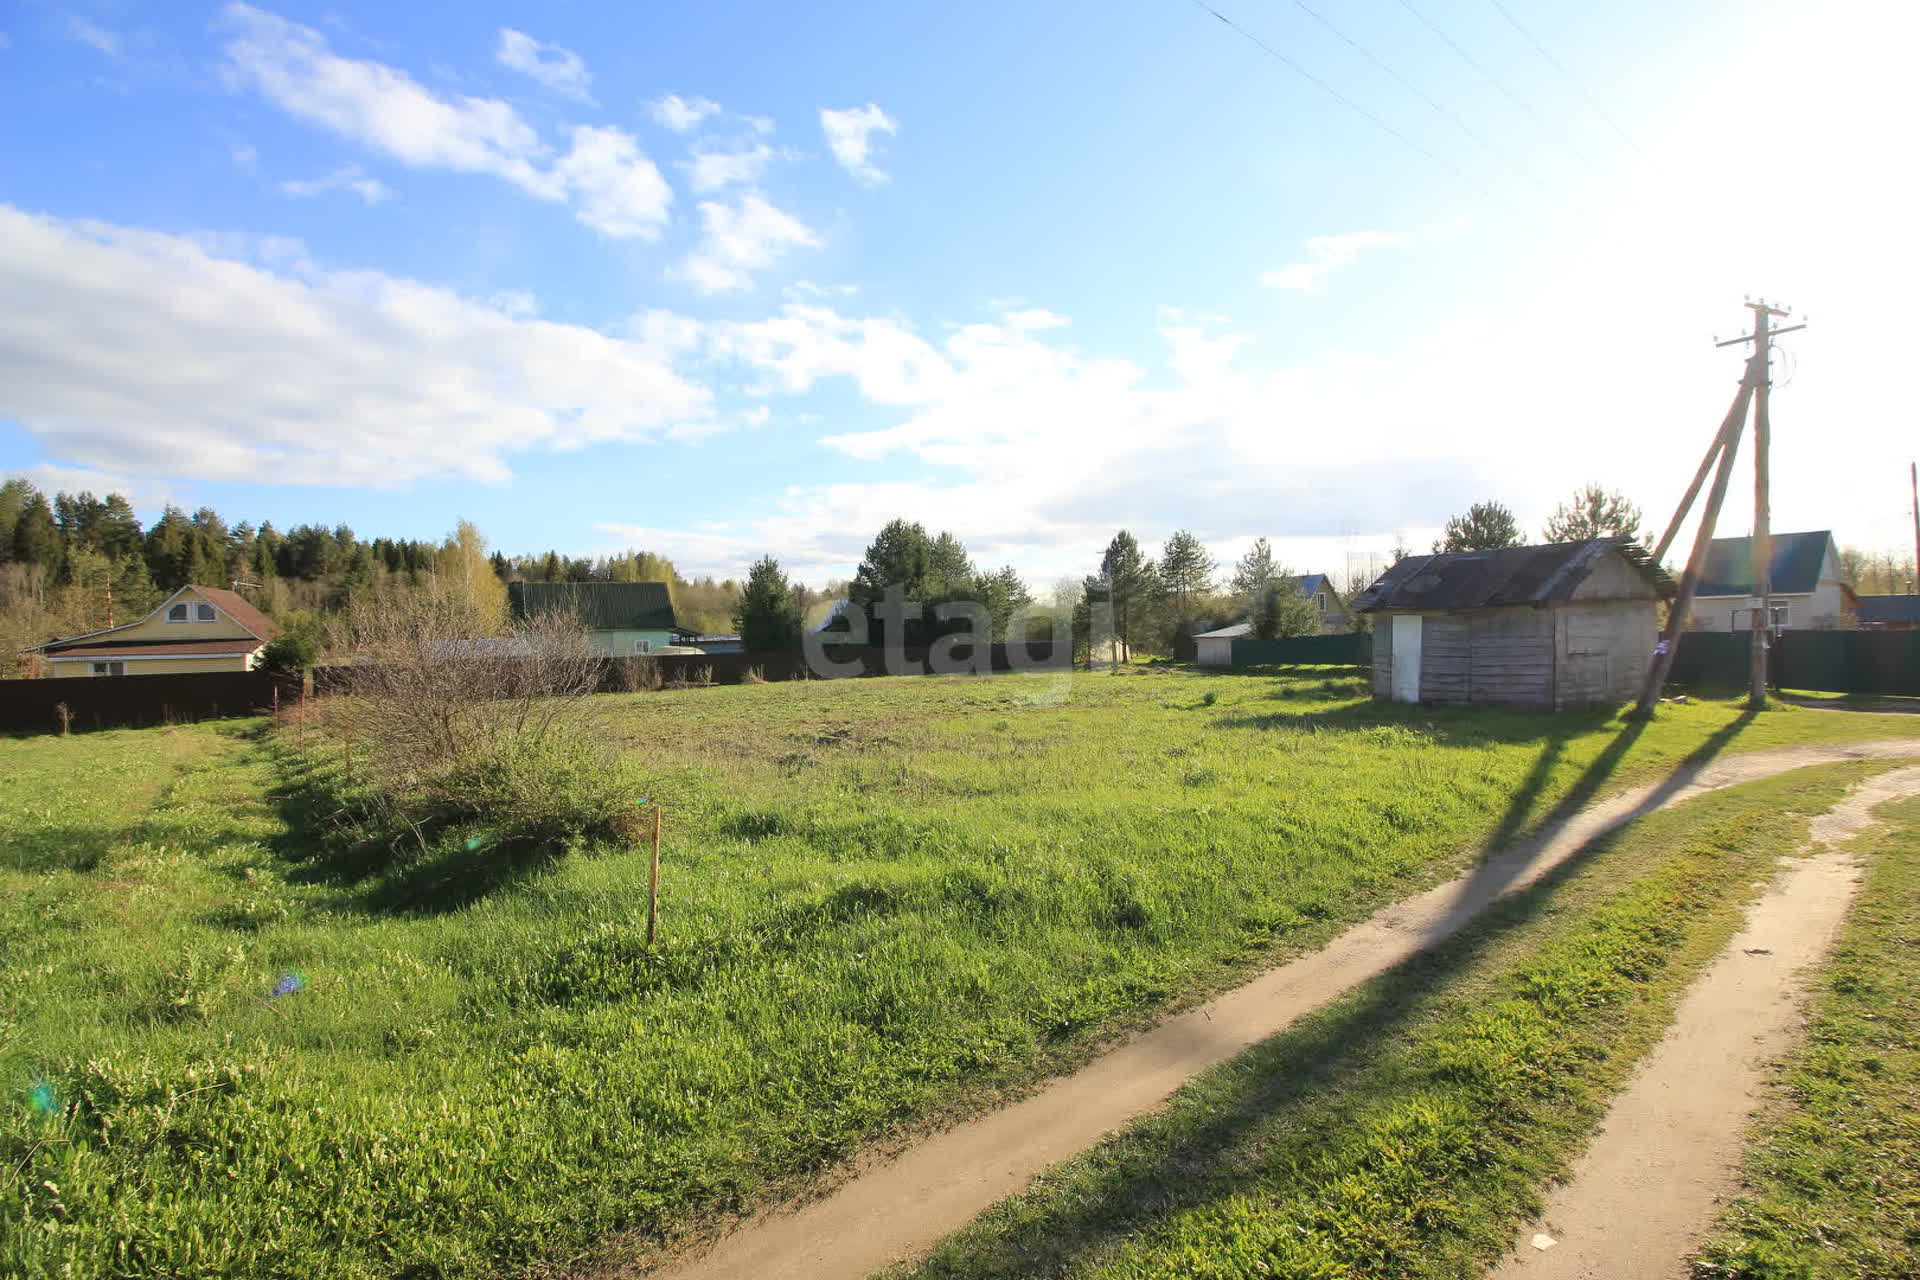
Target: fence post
pixel 653 883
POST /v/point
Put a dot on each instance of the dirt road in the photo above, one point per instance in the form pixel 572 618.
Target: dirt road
pixel 896 1209
pixel 1642 1197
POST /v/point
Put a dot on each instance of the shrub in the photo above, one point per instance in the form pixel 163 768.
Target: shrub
pixel 454 725
pixel 559 788
pixel 753 675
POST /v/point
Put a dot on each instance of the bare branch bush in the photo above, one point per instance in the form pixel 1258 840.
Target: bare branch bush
pixel 450 724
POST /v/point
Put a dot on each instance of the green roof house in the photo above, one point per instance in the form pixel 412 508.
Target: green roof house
pixel 1809 588
pixel 625 619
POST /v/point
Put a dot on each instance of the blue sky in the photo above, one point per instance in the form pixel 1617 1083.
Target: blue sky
pixel 730 278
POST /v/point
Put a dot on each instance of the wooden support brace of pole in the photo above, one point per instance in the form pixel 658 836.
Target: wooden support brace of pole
pixel 1696 563
pixel 1729 427
pixel 653 883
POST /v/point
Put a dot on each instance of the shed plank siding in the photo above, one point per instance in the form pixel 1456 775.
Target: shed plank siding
pixel 1383 659
pixel 1604 650
pixel 1511 663
pixel 1446 640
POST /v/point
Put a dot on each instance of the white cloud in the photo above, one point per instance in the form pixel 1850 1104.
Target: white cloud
pixel 246 158
pixel 850 136
pixel 681 114
pixel 1324 253
pixel 618 190
pixel 1036 318
pixel 6 41
pixel 560 69
pixel 738 240
pixel 712 170
pixel 151 354
pixel 610 183
pixel 350 178
pixel 96 37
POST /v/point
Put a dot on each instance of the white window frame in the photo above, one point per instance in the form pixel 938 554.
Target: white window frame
pixel 641 648
pixel 1320 602
pixel 205 613
pixel 181 610
pixel 111 668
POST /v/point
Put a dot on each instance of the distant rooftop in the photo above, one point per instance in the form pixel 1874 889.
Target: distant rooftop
pixel 1796 564
pixel 601 606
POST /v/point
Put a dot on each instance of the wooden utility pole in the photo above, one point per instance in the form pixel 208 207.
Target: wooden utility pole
pixel 1762 541
pixel 1913 479
pixel 1725 446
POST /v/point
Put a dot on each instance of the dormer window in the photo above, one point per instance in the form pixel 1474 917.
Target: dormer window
pixel 204 612
pixel 178 613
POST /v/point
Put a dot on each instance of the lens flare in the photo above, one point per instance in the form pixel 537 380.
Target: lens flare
pixel 290 983
pixel 41 1098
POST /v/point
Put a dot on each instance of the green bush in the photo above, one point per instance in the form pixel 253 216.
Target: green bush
pixel 560 788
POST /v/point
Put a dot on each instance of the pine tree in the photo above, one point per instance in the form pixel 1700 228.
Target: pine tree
pixel 1487 526
pixel 36 539
pixel 1003 594
pixel 900 555
pixel 1187 571
pixel 1593 512
pixel 1132 585
pixel 768 615
pixel 1254 574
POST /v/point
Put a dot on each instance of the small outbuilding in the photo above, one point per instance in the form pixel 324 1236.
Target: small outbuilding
pixel 1548 628
pixel 1215 648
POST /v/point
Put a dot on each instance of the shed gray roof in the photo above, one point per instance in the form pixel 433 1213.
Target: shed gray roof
pixel 1513 576
pixel 601 606
pixel 1233 632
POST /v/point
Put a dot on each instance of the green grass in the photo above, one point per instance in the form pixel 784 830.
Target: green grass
pixel 885 900
pixel 1406 1129
pixel 1833 1174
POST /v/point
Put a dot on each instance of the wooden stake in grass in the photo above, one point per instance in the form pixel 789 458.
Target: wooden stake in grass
pixel 653 883
pixel 65 713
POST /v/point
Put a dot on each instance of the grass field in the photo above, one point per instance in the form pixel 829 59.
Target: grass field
pixel 242 1046
pixel 1833 1174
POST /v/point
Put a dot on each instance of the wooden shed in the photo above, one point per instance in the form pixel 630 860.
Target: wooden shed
pixel 1548 628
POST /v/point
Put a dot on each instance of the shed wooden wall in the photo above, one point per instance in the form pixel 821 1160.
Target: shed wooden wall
pixel 1603 649
pixel 1559 658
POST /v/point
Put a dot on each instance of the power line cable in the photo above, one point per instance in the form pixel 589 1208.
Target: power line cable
pixel 1571 78
pixel 1495 81
pixel 1420 93
pixel 1342 98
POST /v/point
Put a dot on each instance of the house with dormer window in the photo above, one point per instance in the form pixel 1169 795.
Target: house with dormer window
pixel 194 629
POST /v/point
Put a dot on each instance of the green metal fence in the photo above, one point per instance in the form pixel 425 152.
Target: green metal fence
pixel 1872 662
pixel 1350 649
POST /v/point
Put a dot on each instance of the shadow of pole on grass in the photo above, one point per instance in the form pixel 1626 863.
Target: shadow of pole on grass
pixel 1510 854
pixel 1165 1178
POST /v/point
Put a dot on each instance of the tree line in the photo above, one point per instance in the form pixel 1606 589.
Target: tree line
pixel 76 563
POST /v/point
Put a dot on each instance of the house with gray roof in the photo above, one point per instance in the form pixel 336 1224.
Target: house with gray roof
pixel 1549 628
pixel 1810 591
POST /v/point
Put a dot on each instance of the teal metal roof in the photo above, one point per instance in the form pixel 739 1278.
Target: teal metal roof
pixel 1796 564
pixel 601 606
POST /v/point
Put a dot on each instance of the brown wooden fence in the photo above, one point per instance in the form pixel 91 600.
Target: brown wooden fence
pixel 671 670
pixel 115 702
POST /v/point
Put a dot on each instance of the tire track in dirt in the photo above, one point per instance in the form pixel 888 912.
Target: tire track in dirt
pixel 1642 1197
pixel 892 1209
